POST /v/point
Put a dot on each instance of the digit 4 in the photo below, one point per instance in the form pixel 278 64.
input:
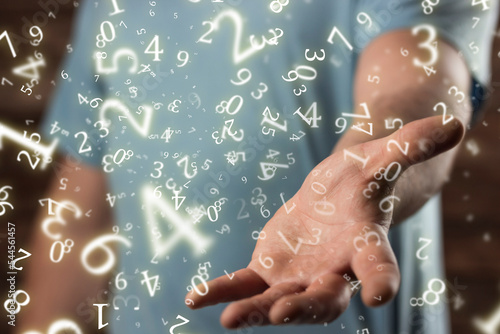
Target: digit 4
pixel 156 51
pixel 481 2
pixel 29 70
pixel 314 119
pixel 147 280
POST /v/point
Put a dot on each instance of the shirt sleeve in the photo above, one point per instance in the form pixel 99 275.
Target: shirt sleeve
pixel 72 113
pixel 467 27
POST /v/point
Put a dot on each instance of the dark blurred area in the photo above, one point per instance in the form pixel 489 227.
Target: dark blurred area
pixel 471 199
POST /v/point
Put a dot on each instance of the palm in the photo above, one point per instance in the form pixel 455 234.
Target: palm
pixel 331 233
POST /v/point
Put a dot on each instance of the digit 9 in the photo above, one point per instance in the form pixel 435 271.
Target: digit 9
pixel 183 57
pixel 36 34
pixel 244 75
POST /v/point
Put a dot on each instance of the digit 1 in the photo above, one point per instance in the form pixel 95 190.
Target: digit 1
pixel 355 157
pixel 115 7
pixel 99 309
pixel 491 325
pixel 46 151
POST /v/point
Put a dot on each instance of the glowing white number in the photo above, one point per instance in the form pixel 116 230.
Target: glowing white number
pixel 314 119
pixel 356 157
pixel 115 7
pixel 315 56
pixel 457 93
pixel 182 56
pixel 63 205
pixel 85 137
pixel 234 16
pixel 443 106
pixel 336 31
pixel 154 43
pixel 147 280
pixel 180 228
pixel 171 331
pixel 426 44
pixel 120 283
pixel 18 304
pixel 481 2
pixel 268 260
pixel 284 204
pixel 365 238
pixel 128 53
pixel 195 286
pixel 404 151
pixel 431 291
pixel 365 109
pixel 185 161
pixel 99 243
pixel 121 108
pixel 241 78
pixel 45 151
pixel 388 200
pixel 491 325
pixel 427 242
pixel 277 5
pixel 4 34
pixel 297 75
pixel 12 265
pixel 364 18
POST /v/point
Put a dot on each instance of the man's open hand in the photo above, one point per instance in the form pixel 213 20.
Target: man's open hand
pixel 331 235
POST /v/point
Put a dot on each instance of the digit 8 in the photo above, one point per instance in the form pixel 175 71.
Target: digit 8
pixel 217 205
pixel 129 154
pixel 435 293
pixel 380 174
pixel 100 41
pixel 68 244
pixel 101 55
pixel 280 4
pixel 18 304
pixel 202 272
pixel 418 302
pixel 222 107
pixel 427 7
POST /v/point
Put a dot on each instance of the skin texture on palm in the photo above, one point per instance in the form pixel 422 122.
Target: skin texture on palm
pixel 299 269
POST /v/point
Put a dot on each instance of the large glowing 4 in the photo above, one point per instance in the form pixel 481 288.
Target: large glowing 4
pixel 182 228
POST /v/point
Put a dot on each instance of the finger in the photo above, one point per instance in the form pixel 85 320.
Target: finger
pixel 323 301
pixel 254 311
pixel 415 142
pixel 244 283
pixel 376 267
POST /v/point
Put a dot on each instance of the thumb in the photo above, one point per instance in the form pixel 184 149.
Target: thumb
pixel 414 143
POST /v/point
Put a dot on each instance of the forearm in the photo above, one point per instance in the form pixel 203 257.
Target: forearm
pixel 406 92
pixel 58 288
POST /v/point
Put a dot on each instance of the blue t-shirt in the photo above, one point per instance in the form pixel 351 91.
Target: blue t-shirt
pixel 190 108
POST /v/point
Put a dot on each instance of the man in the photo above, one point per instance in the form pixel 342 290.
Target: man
pixel 205 119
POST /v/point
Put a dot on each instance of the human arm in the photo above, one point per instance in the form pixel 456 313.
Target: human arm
pixel 329 228
pixel 405 91
pixel 57 289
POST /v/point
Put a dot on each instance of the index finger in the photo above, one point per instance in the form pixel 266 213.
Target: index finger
pixel 243 284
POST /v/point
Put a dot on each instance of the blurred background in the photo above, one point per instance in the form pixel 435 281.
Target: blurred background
pixel 471 198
